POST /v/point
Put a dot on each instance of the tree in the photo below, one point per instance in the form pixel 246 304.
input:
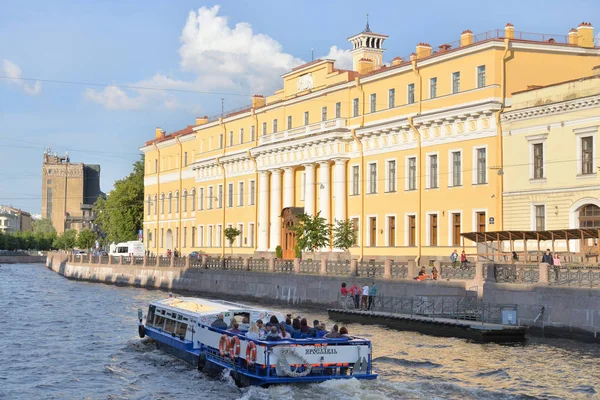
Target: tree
pixel 312 232
pixel 43 226
pixel 67 240
pixel 231 234
pixel 86 239
pixel 120 216
pixel 344 235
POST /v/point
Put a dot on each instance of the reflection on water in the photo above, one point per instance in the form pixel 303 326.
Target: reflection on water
pixel 67 339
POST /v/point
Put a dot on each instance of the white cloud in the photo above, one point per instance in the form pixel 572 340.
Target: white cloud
pixel 343 58
pixel 13 71
pixel 114 98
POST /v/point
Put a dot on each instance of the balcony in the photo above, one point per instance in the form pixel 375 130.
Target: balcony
pixel 302 131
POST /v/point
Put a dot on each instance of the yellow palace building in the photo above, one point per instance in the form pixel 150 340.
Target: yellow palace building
pixel 410 151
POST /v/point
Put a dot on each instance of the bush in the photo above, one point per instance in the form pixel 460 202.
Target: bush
pixel 278 252
pixel 297 252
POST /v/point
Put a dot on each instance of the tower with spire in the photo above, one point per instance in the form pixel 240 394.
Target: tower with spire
pixel 367 49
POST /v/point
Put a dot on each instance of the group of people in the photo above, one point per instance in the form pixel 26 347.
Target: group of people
pixel 274 330
pixel 173 253
pixel 463 258
pixel 424 275
pixel 551 259
pixel 363 297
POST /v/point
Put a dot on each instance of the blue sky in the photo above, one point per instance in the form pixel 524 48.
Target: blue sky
pixel 157 43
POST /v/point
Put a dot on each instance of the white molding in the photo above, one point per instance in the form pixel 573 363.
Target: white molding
pixel 558 107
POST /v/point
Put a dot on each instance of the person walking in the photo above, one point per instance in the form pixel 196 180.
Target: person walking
pixel 556 263
pixel 372 294
pixel 365 297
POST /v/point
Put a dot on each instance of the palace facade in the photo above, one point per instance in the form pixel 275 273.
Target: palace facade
pixel 411 151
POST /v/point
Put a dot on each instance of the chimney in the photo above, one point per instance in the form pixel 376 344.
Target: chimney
pixel 365 65
pixel 585 33
pixel 160 133
pixel 573 36
pixel 413 56
pixel 201 120
pixel 423 50
pixel 444 47
pixel 509 31
pixel 258 101
pixel 466 38
pixel 397 61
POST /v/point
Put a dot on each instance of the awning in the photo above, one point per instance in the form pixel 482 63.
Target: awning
pixel 563 234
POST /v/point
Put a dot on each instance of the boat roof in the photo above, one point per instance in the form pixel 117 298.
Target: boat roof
pixel 203 306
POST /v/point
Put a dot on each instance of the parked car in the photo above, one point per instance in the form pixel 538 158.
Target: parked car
pixel 195 254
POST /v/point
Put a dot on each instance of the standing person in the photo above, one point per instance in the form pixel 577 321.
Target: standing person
pixel 556 263
pixel 434 274
pixel 372 294
pixel 454 257
pixel 547 258
pixel 365 297
pixel 356 294
pixel 463 259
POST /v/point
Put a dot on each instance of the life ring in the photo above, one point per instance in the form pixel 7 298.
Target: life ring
pixel 223 345
pixel 142 331
pixel 251 353
pixel 234 347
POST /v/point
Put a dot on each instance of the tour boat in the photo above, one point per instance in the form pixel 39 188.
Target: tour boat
pixel 182 327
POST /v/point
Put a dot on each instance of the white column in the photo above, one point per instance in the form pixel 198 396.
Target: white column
pixel 325 191
pixel 275 209
pixel 309 184
pixel 339 185
pixel 288 187
pixel 263 211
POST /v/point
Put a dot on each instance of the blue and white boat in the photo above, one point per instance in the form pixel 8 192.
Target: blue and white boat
pixel 182 327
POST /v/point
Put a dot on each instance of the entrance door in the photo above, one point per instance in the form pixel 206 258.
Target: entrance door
pixel 169 240
pixel 288 237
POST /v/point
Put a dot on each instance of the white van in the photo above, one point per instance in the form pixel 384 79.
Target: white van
pixel 134 247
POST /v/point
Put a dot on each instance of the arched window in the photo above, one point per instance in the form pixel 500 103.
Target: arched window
pixel 184 200
pixel 170 202
pixel 162 203
pixel 193 200
pixel 589 216
pixel 177 201
pixel 148 205
pixel 155 205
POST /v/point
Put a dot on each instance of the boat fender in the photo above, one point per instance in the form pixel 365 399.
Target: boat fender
pixel 234 347
pixel 142 331
pixel 201 361
pixel 223 344
pixel 251 353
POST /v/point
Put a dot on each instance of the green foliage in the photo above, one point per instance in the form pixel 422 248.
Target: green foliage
pixel 312 232
pixel 297 252
pixel 344 235
pixel 231 234
pixel 43 226
pixel 26 241
pixel 278 252
pixel 85 239
pixel 121 214
pixel 66 241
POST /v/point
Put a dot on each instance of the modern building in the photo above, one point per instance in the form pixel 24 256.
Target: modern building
pixel 411 151
pixel 14 220
pixel 551 159
pixel 69 191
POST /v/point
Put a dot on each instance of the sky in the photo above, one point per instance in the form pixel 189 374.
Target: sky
pixel 200 52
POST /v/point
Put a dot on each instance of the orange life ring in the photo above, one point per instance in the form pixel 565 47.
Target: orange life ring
pixel 234 347
pixel 251 353
pixel 224 344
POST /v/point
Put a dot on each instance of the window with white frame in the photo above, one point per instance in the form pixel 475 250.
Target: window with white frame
pixel 373 102
pixel 481 76
pixel 219 235
pixel 241 135
pixel 240 238
pixel 230 139
pixel 480 165
pixel 323 113
pixel 355 180
pixel 193 199
pixel 355 107
pixel 538 160
pixel 372 178
pixel 251 235
pixel 411 93
pixel 391 98
pixel 338 109
pixel 241 194
pixel 275 126
pixel 252 193
pixel 264 128
pixel 201 236
pixel 433 171
pixel 455 82
pixel 433 88
pixel 221 141
pixel 252 133
pixel 540 217
pixel 230 195
pixel 411 173
pixel 220 196
pixel 210 197
pixel 391 176
pixel 289 122
pixel 209 236
pixel 587 155
pixel 455 168
pixel 201 199
pixel 306 120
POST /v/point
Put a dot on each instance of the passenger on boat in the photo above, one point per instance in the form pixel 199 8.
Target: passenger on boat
pixel 283 332
pixel 313 331
pixel 321 330
pixel 253 332
pixel 235 328
pixel 245 325
pixel 273 335
pixel 219 322
pixel 303 325
pixel 288 324
pixel 344 331
pixel 273 322
pixel 334 334
pixel 261 329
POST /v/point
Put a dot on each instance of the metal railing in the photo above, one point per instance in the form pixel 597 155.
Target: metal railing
pixel 151 260
pixel 179 261
pixel 285 266
pixel 138 260
pixel 456 271
pixel 258 264
pixel 516 273
pixel 214 263
pixel 310 266
pixel 234 264
pixel 399 270
pixel 370 269
pixel 340 267
pixel 164 261
pixel 579 276
pixel 196 262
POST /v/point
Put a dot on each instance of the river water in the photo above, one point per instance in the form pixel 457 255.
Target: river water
pixel 62 339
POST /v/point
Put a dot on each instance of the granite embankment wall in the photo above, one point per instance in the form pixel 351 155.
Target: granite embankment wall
pixel 285 287
pixel 22 259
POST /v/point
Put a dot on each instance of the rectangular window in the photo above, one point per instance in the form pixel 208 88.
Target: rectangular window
pixel 540 218
pixel 412 229
pixel 275 126
pixel 193 237
pixel 289 122
pixel 456 229
pixel 391 178
pixel 538 161
pixel 252 133
pixel 221 141
pixel 587 155
pixel 210 198
pixel 481 166
pixel 455 82
pixel 355 180
pixel 220 196
pixel 241 135
pixel 241 194
pixel 184 238
pixel 411 93
pixel 391 98
pixel 252 192
pixel 305 117
pixel 323 113
pixel 391 231
pixel 240 238
pixel 412 173
pixel 185 159
pixel 456 168
pixel 338 110
pixel 219 235
pixel 355 107
pixel 201 199
pixel 432 88
pixel 162 237
pixel 373 102
pixel 433 171
pixel 481 222
pixel 481 76
pixel 201 236
pixel 230 139
pixel 251 235
pixel 433 229
pixel 373 231
pixel 210 236
pixel 156 165
pixel 264 128
pixel 230 195
pixel 372 178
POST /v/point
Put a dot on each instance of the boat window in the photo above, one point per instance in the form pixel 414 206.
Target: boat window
pixel 179 317
pixel 150 316
pixel 160 321
pixel 180 329
pixel 170 326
